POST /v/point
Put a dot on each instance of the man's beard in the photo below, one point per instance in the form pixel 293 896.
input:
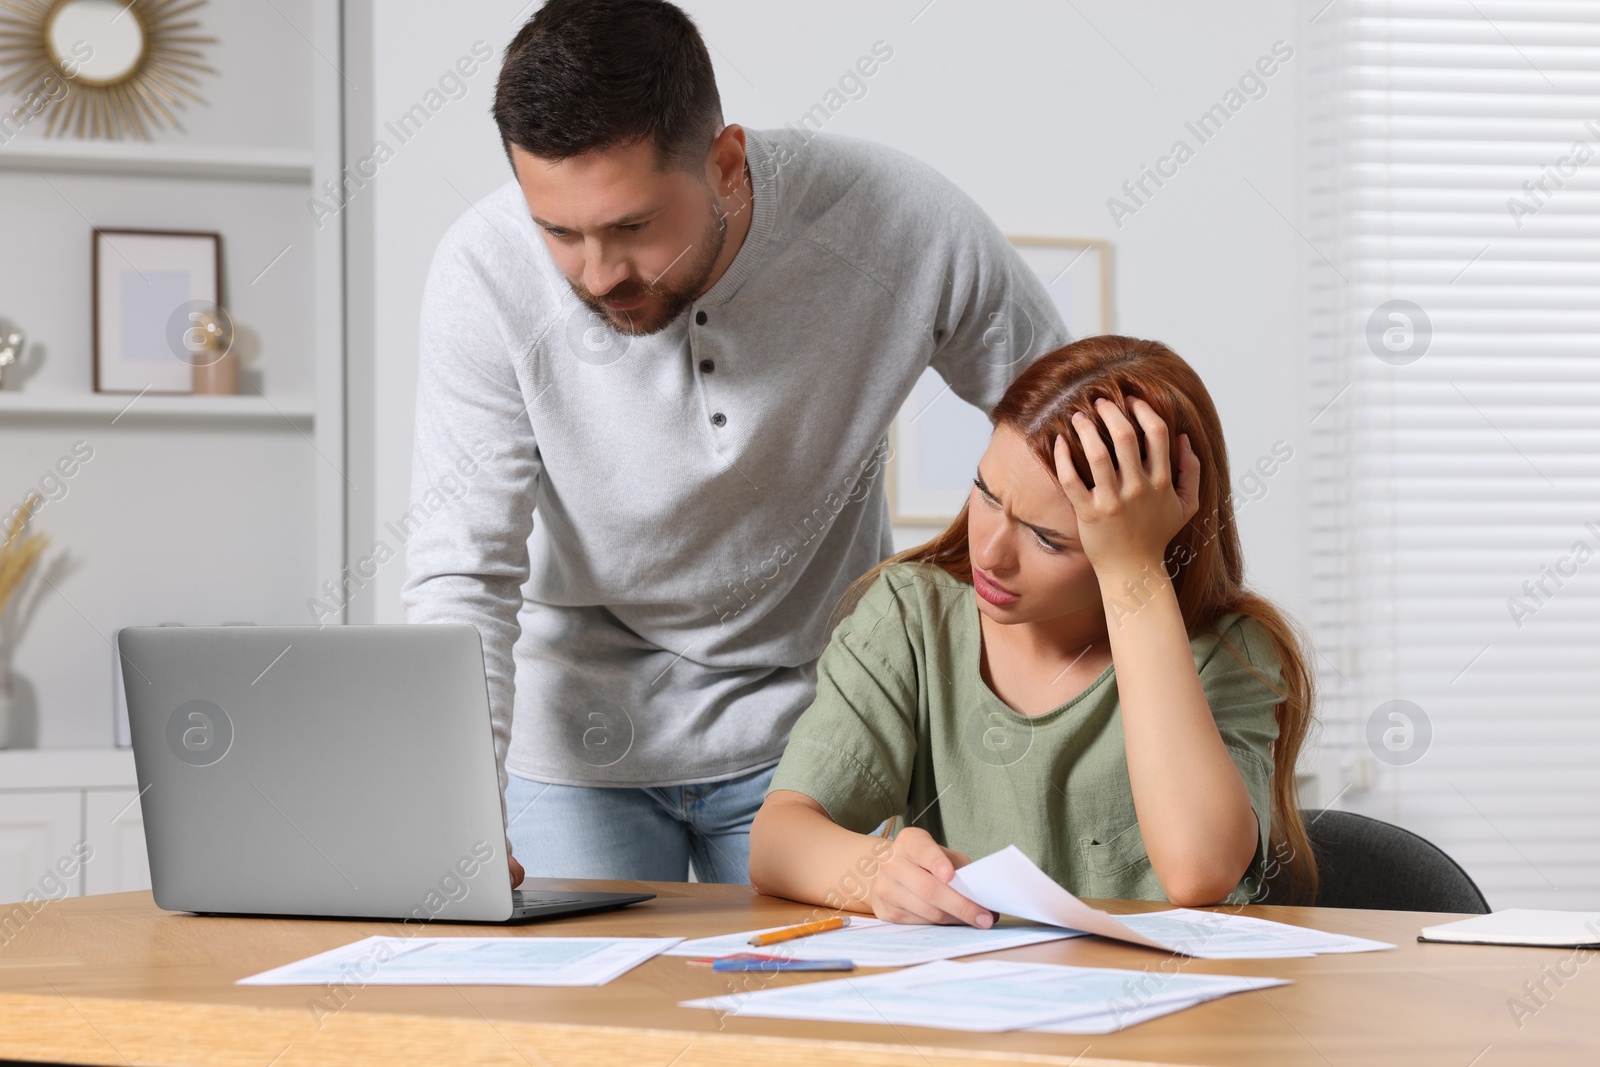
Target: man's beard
pixel 669 300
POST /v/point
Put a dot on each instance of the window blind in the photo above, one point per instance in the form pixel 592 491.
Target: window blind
pixel 1453 233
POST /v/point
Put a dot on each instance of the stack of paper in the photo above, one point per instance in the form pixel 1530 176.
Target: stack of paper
pixel 990 996
pixel 551 961
pixel 1009 883
pixel 875 943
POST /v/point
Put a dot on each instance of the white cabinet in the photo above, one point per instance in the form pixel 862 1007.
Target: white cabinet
pixel 37 830
pixel 74 811
pixel 114 828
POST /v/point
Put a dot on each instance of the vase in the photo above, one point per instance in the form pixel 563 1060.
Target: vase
pixel 218 377
pixel 9 702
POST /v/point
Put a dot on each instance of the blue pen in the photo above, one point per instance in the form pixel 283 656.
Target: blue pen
pixel 742 963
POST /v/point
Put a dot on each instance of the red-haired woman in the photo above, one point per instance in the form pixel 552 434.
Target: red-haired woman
pixel 1073 666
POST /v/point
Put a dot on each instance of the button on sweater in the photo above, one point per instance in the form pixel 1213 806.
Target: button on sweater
pixel 651 552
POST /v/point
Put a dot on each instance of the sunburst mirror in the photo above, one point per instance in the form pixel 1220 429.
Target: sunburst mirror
pixel 102 68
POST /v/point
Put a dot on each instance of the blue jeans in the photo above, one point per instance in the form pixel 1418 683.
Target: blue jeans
pixel 647 834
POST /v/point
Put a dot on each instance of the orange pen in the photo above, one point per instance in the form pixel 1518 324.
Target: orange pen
pixel 789 933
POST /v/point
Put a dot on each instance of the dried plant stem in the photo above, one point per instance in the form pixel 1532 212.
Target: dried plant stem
pixel 18 553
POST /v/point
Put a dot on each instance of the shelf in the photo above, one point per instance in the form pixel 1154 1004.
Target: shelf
pixel 148 408
pixel 160 161
pixel 66 768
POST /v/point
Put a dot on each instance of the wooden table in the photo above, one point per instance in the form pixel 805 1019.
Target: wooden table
pixel 113 980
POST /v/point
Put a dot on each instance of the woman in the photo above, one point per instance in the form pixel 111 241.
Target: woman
pixel 1073 666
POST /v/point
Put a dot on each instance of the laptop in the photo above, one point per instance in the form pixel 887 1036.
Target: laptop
pixel 325 772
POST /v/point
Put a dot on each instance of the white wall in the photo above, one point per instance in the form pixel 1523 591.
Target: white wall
pixel 1038 112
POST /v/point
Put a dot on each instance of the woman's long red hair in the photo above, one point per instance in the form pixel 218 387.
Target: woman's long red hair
pixel 1204 558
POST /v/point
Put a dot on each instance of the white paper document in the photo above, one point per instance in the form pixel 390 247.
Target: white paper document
pixel 1118 1019
pixel 1009 883
pixel 990 996
pixel 875 943
pixel 532 961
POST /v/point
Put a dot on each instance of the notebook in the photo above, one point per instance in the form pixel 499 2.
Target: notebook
pixel 1521 926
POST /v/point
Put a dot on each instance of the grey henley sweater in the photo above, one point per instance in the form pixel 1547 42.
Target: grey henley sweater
pixel 654 530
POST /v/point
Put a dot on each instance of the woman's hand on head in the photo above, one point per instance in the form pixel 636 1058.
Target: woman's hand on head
pixel 1134 510
pixel 912 884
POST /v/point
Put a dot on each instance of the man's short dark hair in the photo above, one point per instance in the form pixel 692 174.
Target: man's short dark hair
pixel 592 74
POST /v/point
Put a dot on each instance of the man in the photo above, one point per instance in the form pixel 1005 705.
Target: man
pixel 674 348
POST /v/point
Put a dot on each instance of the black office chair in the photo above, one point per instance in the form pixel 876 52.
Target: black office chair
pixel 1368 863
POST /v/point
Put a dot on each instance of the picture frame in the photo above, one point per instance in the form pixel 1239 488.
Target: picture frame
pixel 936 439
pixel 142 281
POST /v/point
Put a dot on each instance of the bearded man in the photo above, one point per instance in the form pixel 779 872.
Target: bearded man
pixel 681 344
